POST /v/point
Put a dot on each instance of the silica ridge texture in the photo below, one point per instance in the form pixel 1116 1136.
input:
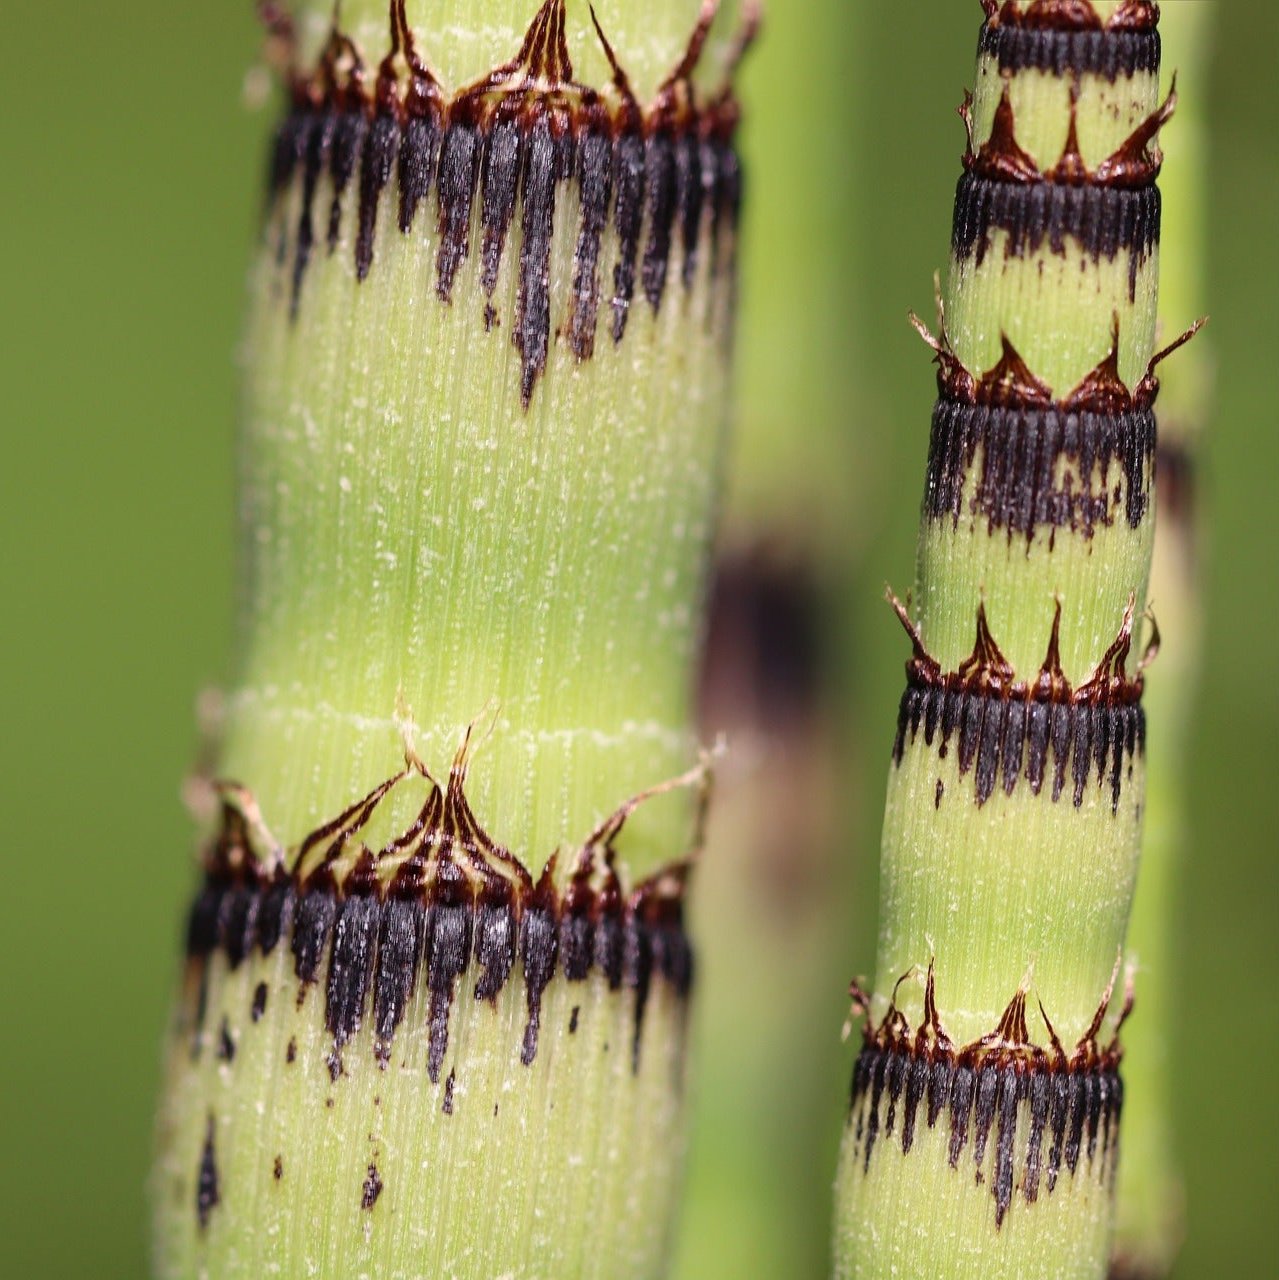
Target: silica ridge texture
pixel 1044 484
pixel 976 1144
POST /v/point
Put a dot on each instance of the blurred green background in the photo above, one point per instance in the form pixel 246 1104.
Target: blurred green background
pixel 131 184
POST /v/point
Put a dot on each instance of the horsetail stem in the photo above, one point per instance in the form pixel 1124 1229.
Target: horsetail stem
pixel 1148 1223
pixel 982 1134
pixel 432 1016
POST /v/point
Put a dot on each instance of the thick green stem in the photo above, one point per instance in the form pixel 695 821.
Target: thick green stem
pixel 433 1014
pixel 983 1127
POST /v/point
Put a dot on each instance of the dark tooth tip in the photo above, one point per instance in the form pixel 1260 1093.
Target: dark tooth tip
pixel 1019 456
pixel 371 943
pixel 680 179
pixel 1110 54
pixel 1074 1108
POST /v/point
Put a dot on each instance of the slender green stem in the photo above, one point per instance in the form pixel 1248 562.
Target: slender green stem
pixel 432 1020
pixel 982 1134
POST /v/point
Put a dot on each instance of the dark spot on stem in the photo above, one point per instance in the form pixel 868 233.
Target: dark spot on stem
pixel 344 157
pixel 313 922
pixel 351 962
pixel 629 167
pixel 377 170
pixel 595 189
pixel 551 158
pixel 539 950
pixel 499 183
pixel 318 142
pixel 226 1043
pixel 448 949
pixel 763 659
pixel 275 917
pixel 401 943
pixel 496 933
pixel 1175 482
pixel 660 205
pixel 416 166
pixel 207 1192
pixel 459 165
pixel 372 1187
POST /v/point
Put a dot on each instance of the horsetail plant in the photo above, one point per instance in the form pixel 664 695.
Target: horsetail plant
pixel 432 1016
pixel 1148 1226
pixel 982 1133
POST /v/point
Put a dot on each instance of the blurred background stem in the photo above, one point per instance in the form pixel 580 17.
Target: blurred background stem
pixel 1149 1217
pixel 775 876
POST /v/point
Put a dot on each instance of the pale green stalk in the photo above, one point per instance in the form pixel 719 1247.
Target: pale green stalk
pixel 438 571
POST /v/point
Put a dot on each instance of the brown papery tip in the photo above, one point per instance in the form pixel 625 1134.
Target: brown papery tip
pixel 1002 1083
pixel 1134 164
pixel 1012 730
pixel 1070 15
pixel 1010 383
pixel 442 897
pixel 986 670
pixel 517 139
